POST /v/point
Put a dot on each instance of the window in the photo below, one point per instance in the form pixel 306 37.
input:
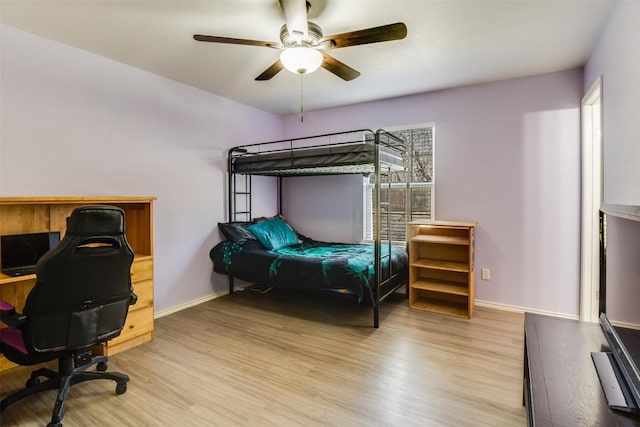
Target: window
pixel 421 189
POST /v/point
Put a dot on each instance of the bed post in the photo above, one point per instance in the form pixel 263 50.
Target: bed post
pixel 279 195
pixel 230 189
pixel 230 200
pixel 376 234
pixel 407 203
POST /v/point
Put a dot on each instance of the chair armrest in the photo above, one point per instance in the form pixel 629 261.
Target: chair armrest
pixel 9 316
pixel 133 298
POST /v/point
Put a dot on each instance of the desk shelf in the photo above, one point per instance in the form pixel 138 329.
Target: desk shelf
pixel 43 214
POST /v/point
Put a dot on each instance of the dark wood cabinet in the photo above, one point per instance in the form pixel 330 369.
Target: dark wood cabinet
pixel 561 386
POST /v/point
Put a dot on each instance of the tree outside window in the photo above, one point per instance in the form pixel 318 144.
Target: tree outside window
pixel 421 189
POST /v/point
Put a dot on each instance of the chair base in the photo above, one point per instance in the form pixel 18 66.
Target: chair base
pixel 62 380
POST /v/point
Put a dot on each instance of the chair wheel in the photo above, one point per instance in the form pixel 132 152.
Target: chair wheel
pixel 102 366
pixel 54 425
pixel 31 382
pixel 121 388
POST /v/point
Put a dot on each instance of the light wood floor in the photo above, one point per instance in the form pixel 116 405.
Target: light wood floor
pixel 288 358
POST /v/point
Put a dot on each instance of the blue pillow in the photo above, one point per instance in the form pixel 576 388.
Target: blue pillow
pixel 274 233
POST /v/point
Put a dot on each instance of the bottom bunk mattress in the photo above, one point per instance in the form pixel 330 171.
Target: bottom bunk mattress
pixel 338 267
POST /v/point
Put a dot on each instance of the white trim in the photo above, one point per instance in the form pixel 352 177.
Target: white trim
pixel 591 144
pixel 189 304
pixel 239 285
pixel 519 309
pixel 433 172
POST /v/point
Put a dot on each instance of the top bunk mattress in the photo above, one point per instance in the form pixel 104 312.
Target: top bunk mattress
pixel 341 157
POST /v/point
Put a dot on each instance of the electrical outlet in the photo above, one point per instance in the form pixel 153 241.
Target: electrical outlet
pixel 486 274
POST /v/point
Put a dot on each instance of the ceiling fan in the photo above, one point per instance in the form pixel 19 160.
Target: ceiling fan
pixel 303 44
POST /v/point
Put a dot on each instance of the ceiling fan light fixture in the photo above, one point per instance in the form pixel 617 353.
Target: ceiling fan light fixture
pixel 301 59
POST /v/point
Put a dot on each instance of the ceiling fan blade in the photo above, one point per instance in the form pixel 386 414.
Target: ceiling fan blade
pixel 229 40
pixel 383 33
pixel 295 16
pixel 338 68
pixel 271 71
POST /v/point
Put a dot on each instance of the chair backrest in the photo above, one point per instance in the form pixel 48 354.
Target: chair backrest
pixel 83 287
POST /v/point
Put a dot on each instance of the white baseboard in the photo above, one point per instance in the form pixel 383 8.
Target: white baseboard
pixel 188 304
pixel 239 286
pixel 518 309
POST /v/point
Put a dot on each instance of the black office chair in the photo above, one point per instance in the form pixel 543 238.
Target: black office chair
pixel 81 299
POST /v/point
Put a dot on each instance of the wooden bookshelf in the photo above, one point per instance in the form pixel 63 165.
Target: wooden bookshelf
pixel 441 268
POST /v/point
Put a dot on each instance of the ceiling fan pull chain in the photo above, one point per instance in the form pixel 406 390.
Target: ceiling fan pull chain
pixel 301 99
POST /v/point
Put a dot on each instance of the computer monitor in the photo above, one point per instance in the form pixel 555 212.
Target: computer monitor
pixel 19 253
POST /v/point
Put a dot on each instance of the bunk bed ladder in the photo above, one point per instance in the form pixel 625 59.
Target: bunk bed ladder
pixel 240 211
pixel 236 215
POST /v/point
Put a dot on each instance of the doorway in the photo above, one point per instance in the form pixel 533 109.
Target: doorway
pixel 592 119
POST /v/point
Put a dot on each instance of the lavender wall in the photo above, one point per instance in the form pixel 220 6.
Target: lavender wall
pixel 507 156
pixel 316 207
pixel 616 59
pixel 73 123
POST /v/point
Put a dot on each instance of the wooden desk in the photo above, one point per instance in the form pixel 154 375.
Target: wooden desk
pixel 561 386
pixel 41 214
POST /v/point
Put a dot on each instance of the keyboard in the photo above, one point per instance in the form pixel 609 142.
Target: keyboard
pixel 20 271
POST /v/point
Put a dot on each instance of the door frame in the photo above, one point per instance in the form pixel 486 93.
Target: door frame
pixel 592 194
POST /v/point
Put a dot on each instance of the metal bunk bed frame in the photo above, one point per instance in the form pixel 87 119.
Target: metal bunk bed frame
pixel 381 138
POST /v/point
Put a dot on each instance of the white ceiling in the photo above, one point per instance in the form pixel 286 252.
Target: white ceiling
pixel 449 42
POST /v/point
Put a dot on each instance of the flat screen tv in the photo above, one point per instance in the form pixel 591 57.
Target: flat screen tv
pixel 618 368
